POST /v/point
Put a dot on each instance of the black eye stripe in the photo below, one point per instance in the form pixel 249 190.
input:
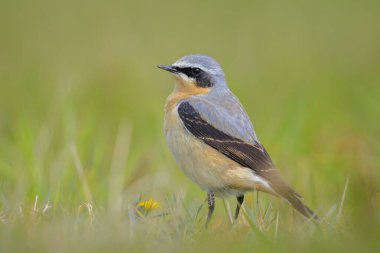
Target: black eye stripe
pixel 203 79
pixel 191 72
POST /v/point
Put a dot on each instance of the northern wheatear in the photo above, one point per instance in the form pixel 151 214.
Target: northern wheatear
pixel 213 140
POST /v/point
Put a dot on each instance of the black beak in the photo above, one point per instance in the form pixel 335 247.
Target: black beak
pixel 169 68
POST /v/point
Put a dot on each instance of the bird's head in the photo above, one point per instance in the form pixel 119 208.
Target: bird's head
pixel 197 73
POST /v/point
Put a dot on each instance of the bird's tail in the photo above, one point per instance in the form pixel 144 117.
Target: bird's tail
pixel 295 200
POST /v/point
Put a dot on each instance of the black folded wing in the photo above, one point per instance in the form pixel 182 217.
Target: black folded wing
pixel 253 156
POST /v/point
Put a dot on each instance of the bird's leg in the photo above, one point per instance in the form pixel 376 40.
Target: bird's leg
pixel 240 200
pixel 211 206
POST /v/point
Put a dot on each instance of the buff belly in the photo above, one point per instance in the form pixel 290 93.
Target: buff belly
pixel 211 170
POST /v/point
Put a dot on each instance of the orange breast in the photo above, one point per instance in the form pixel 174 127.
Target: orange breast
pixel 183 89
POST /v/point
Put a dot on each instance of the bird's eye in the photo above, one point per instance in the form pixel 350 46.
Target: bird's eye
pixel 196 71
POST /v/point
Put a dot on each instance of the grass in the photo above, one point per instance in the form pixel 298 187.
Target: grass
pixel 81 111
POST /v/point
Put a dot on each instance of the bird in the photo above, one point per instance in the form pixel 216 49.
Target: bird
pixel 213 140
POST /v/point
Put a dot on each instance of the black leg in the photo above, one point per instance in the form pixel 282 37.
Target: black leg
pixel 211 206
pixel 240 200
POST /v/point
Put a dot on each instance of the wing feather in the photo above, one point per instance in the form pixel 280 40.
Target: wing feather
pixel 253 156
pixel 250 155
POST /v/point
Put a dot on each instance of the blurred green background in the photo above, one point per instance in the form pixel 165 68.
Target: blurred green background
pixel 81 115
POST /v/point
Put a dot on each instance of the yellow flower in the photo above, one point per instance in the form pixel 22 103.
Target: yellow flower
pixel 149 204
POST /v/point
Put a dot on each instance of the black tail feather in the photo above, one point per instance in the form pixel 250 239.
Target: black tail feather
pixel 295 200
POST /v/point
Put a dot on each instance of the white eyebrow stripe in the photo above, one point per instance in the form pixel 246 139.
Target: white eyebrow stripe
pixel 185 64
